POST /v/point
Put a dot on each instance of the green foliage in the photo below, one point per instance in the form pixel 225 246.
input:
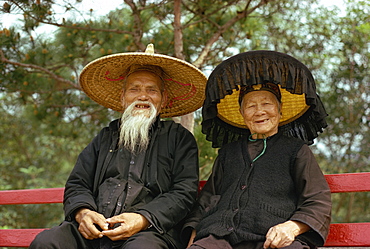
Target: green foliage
pixel 350 207
pixel 207 154
pixel 347 97
pixel 347 101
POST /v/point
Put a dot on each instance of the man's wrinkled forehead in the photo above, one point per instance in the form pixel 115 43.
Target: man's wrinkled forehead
pixel 147 68
pixel 150 68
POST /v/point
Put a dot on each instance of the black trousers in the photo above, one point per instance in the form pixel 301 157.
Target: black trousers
pixel 67 236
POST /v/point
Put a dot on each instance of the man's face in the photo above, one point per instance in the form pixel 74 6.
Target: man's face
pixel 260 110
pixel 143 86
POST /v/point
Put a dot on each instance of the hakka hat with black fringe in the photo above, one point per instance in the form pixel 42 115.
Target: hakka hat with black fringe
pixel 303 113
pixel 102 80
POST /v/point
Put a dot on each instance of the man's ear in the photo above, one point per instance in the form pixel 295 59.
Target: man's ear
pixel 164 99
pixel 122 98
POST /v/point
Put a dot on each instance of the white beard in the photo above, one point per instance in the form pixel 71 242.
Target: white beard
pixel 135 126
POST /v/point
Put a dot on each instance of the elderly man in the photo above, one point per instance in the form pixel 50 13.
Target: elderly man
pixel 136 181
pixel 266 189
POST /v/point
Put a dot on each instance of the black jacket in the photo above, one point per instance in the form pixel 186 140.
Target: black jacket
pixel 173 160
pixel 241 199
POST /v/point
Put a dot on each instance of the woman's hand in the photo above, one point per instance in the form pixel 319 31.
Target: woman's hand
pixel 284 234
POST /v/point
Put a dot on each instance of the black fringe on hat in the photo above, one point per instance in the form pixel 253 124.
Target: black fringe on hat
pixel 252 68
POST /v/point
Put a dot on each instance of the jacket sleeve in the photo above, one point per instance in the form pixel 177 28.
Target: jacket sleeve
pixel 314 203
pixel 79 186
pixel 171 206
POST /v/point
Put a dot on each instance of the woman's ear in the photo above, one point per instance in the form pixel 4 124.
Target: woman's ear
pixel 241 111
pixel 281 109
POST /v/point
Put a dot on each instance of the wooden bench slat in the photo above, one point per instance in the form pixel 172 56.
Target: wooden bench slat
pixel 18 237
pixel 32 196
pixel 339 183
pixel 348 234
pixel 340 235
pixel 349 182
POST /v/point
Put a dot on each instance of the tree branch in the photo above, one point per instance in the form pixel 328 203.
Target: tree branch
pixel 117 31
pixel 178 41
pixel 48 72
pixel 138 26
pixel 240 15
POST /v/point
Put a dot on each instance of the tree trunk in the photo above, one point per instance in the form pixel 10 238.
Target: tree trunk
pixel 187 120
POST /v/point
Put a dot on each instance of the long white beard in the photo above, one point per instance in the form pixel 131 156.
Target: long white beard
pixel 135 125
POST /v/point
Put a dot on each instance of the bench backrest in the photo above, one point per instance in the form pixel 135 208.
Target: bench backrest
pixel 340 234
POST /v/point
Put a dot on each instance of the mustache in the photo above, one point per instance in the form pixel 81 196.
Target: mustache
pixel 143 106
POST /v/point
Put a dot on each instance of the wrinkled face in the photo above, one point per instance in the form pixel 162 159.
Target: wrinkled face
pixel 261 113
pixel 143 87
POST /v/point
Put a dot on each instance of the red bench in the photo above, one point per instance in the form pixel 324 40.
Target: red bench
pixel 340 235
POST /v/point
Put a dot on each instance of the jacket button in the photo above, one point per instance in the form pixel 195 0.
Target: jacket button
pixel 242 187
pixel 236 210
pixel 230 229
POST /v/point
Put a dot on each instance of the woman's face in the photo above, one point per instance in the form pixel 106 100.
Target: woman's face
pixel 261 113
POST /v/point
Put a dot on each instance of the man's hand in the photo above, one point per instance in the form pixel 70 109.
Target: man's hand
pixel 130 224
pixel 89 222
pixel 284 234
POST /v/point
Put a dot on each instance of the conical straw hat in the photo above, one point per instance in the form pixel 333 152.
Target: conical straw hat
pixel 102 80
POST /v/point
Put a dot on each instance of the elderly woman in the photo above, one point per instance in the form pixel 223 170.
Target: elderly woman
pixel 266 189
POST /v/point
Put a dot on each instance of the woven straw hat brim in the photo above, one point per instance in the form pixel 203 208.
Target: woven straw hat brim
pixel 102 80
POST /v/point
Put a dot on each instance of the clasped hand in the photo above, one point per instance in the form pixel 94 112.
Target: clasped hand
pixel 94 225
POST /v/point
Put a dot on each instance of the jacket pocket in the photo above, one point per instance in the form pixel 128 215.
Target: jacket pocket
pixel 139 196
